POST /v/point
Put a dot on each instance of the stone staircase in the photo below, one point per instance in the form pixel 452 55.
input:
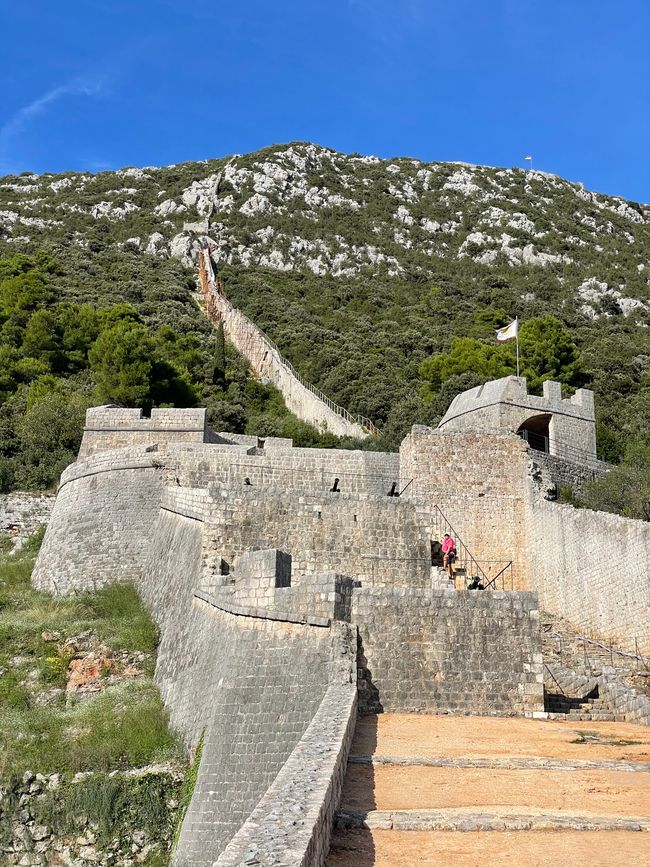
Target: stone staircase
pixel 534 792
pixel 577 710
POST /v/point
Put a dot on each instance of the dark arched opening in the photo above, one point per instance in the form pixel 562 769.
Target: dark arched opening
pixel 535 431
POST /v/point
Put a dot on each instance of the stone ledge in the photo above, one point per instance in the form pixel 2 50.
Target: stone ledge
pixel 477 820
pixel 261 613
pixel 526 764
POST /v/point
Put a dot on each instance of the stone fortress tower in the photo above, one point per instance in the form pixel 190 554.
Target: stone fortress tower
pixel 562 428
pixel 293 586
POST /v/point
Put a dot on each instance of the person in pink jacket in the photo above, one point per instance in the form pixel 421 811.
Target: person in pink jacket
pixel 448 555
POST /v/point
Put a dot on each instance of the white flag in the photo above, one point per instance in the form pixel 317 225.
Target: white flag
pixel 509 332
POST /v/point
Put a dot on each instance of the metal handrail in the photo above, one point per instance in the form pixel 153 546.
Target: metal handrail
pixel 569 450
pixel 469 558
pixel 214 285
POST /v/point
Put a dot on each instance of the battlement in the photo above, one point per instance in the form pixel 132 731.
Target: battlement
pixel 113 427
pixel 564 427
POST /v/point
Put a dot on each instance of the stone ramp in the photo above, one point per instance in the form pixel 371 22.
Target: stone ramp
pixel 416 785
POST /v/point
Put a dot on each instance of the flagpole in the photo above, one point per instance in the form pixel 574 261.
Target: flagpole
pixel 517 321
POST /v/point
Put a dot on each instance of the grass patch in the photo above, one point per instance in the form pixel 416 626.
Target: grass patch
pixel 124 726
pixel 187 789
pixel 586 736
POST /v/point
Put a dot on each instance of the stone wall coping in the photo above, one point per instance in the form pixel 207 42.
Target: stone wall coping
pixel 291 825
pixel 261 613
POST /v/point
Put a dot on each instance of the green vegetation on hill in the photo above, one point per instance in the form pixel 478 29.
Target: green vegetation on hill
pixel 381 281
pixel 60 356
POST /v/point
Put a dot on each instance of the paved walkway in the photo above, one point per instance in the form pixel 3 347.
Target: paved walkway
pixel 532 792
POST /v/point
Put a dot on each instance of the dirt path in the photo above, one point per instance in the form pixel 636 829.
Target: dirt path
pixel 422 735
pixel 490 849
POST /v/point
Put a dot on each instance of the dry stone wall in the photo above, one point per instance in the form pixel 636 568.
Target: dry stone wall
pixel 423 650
pixel 22 514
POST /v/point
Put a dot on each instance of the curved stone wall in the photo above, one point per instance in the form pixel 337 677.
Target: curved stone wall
pixel 101 524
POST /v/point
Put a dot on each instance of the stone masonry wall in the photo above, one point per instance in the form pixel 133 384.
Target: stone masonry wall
pixel 478 481
pixel 563 472
pixel 261 682
pixel 291 825
pixel 289 469
pixel 250 685
pixel 592 568
pixel 111 427
pixel 101 524
pixel 382 538
pixel 442 651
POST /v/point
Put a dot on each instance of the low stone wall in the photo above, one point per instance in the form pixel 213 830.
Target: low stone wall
pixel 592 568
pixel 22 514
pixel 291 825
pixel 567 473
pixel 39 824
pixel 442 651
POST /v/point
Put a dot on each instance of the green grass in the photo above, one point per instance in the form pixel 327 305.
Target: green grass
pixel 124 726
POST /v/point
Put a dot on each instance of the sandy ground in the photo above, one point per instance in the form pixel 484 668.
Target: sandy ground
pixel 490 849
pixel 618 793
pixel 584 792
pixel 424 735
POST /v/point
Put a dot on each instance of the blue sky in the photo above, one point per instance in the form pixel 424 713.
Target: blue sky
pixel 103 84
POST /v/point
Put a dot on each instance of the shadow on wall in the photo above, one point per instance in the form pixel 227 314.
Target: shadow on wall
pixel 368 692
pixel 355 847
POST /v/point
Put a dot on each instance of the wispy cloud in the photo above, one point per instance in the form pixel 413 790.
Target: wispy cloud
pixel 19 122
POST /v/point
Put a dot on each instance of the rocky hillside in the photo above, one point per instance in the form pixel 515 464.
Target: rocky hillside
pixel 302 207
pixel 360 268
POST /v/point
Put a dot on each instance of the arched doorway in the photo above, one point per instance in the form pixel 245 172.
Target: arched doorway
pixel 535 430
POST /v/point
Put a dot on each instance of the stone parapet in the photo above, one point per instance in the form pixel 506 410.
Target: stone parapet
pixel 292 823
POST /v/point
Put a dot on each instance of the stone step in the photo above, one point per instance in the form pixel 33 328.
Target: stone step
pixel 537 763
pixel 485 820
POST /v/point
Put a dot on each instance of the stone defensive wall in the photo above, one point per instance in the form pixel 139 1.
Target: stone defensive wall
pixel 249 684
pixel 287 582
pixel 266 362
pixel 592 568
